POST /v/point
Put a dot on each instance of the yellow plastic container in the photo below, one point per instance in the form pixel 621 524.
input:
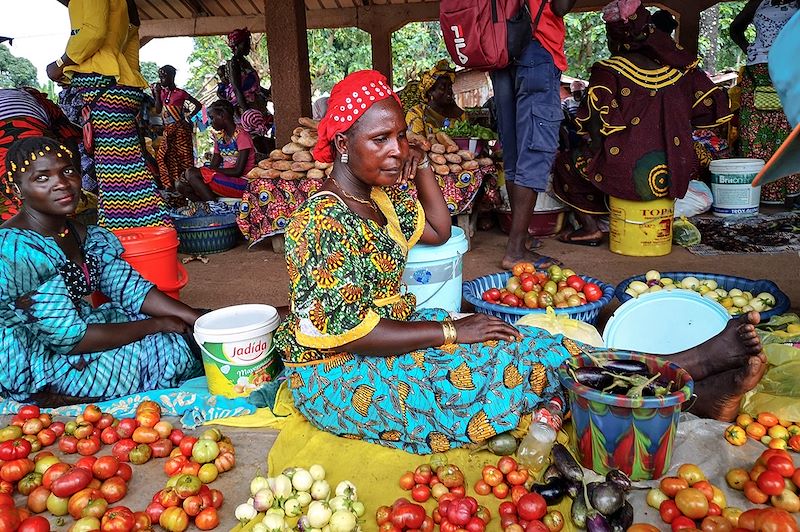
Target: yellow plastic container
pixel 641 228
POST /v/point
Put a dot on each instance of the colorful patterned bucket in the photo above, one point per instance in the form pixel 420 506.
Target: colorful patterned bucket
pixel 618 432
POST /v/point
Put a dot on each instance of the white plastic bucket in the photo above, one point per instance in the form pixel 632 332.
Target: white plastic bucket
pixel 237 348
pixel 731 186
pixel 433 273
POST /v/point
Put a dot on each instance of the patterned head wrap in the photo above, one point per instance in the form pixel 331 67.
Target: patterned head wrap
pixel 634 32
pixel 349 100
pixel 429 78
pixel 237 37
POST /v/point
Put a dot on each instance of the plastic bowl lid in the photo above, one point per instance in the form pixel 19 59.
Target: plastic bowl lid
pixel 662 323
pixel 237 319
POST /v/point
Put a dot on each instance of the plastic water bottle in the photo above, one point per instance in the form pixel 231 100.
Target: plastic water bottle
pixel 534 450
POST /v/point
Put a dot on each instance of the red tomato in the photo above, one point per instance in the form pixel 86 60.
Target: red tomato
pixel 14 470
pixel 57 427
pixel 531 506
pixel 47 437
pixel 207 519
pixel 668 511
pixel 681 522
pixel 775 520
pixel 576 282
pixel 672 485
pixel 421 493
pixel 161 448
pixel 34 524
pixel 491 475
pixel 517 492
pixel 53 472
pixel 423 474
pixel 125 471
pixel 517 478
pixel 29 412
pixel 482 488
pixel 88 446
pixel 109 436
pixel 782 465
pixel 506 465
pixel 71 482
pixel 154 511
pixel 770 482
pixel 501 490
pixel 114 489
pixel 92 413
pixel 507 508
pixel 173 466
pixel 106 420
pixel 126 427
pixel 511 300
pixel 117 519
pixel 217 499
pixel 105 467
pixel 14 449
pixel 754 494
pixel 186 445
pixel 122 449
pixel 141 522
pixel 592 292
pixel 9 518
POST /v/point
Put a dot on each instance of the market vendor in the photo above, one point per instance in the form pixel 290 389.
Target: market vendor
pixel 57 348
pixel 364 363
pixel 234 156
pixel 438 108
pixel 641 108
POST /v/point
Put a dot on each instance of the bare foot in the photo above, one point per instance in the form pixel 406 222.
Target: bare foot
pixel 718 396
pixel 532 243
pixel 540 261
pixel 730 349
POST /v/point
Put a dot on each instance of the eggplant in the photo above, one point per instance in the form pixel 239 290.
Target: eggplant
pixel 574 489
pixel 597 523
pixel 627 367
pixel 606 498
pixel 552 491
pixel 594 377
pixel 620 479
pixel 622 518
pixel 566 464
pixel 578 511
pixel 551 472
pixel 502 444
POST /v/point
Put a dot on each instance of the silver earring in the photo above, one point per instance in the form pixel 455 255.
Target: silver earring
pixel 16 190
pixel 345 158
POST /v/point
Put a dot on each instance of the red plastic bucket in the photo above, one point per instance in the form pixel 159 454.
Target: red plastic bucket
pixel 174 290
pixel 153 252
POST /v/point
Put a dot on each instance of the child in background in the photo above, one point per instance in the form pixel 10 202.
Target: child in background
pixel 234 156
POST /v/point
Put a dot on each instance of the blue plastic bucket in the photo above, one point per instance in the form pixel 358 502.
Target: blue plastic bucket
pixel 433 273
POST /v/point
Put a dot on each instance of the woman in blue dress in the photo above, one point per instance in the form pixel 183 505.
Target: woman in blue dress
pixel 364 364
pixel 58 348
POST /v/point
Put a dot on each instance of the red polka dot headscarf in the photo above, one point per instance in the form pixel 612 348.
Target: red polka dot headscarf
pixel 349 100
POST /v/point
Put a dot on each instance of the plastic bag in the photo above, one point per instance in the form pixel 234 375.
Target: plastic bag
pixel 563 324
pixel 778 391
pixel 698 199
pixel 684 233
pixel 783 329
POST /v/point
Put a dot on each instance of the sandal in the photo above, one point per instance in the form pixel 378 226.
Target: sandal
pixel 569 238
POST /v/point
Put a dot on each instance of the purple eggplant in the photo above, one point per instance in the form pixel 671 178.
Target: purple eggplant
pixel 627 367
pixel 552 491
pixel 606 497
pixel 620 479
pixel 595 522
pixel 622 518
pixel 594 377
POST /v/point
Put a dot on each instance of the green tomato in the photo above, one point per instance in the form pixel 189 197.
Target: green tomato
pixel 205 451
pixel 555 273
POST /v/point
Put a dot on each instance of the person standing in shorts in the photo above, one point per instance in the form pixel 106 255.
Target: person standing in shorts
pixel 527 96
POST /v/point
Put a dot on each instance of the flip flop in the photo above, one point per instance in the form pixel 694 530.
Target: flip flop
pixel 592 242
pixel 550 261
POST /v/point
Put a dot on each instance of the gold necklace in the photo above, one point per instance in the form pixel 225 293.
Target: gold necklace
pixel 369 202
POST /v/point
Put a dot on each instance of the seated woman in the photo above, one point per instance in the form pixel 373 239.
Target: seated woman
pixel 641 108
pixel 234 156
pixel 363 363
pixel 439 108
pixel 57 348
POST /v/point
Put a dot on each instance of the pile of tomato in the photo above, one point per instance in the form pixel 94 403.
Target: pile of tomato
pixel 556 287
pixel 767 428
pixel 506 478
pixel 88 489
pixel 426 482
pixel 773 479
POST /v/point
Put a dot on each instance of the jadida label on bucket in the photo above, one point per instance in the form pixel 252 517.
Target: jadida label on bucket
pixel 236 369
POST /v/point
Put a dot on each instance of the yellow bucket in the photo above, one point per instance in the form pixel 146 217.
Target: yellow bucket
pixel 641 228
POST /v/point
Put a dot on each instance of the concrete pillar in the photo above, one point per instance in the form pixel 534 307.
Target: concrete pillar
pixel 287 47
pixel 381 40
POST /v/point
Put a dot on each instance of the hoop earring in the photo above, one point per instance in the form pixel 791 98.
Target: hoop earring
pixel 16 190
pixel 345 158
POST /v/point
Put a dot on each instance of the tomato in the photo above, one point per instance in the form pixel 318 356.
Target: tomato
pixel 154 511
pixel 747 519
pixel 506 465
pixel 161 448
pixel 787 500
pixel 715 523
pixel 9 518
pixel 105 467
pixel 126 426
pixel 576 282
pixel 754 494
pixel 225 462
pixel 517 492
pixel 114 489
pixel 692 503
pixel 531 506
pixel 145 435
pixel 29 412
pixel 29 482
pixel 79 500
pixel 14 449
pixel 458 491
pixel 105 421
pixel 57 506
pixel 37 500
pixel 767 419
pixel 507 508
pixel 89 446
pixel 732 514
pixel 491 295
pixel 71 482
pixel 36 445
pixel 47 437
pixel 794 442
pixel 141 522
pixel 544 300
pixel 125 471
pixel 691 473
pixel 672 485
pixel 771 483
pixel 173 466
pixel 642 527
pixel 140 454
pixel 95 508
pixel 109 436
pixel 83 430
pixel 518 477
pixel 422 474
pixel 121 450
pixel 736 478
pixel 491 475
pixel 207 519
pixel 782 465
pixel 10 432
pixel 117 519
pixel 176 436
pixel 34 524
pixel 775 520
pixel 755 430
pixel 554 520
pixel 32 426
pixel 510 300
pixel 92 413
pixel 421 493
pixel 501 490
pixel 714 509
pixel 668 511
pixel 148 418
pixel 14 470
pixel 592 292
pixel 187 485
pixel 482 488
pixel 174 519
pixel 682 522
pixel 705 487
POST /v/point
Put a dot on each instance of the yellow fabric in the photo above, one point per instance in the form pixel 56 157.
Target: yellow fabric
pixel 100 40
pixel 423 120
pixel 428 79
pixel 374 469
pixel 275 418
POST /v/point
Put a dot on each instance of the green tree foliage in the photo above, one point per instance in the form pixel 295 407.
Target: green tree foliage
pixel 585 42
pixel 717 51
pixel 334 53
pixel 15 71
pixel 416 47
pixel 149 71
pixel 210 52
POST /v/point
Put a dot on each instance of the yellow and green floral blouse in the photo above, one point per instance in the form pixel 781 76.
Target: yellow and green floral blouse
pixel 345 272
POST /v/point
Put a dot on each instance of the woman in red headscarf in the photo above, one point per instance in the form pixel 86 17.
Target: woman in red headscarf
pixel 363 362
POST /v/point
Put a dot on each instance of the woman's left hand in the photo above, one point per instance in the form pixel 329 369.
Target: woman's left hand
pixel 55 72
pixel 415 156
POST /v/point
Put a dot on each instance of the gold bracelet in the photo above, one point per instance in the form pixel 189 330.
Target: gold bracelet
pixel 449 330
pixel 59 62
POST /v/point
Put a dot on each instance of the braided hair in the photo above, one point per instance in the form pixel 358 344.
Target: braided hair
pixel 222 106
pixel 23 152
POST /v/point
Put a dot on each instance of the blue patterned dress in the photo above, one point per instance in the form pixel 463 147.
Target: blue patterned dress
pixel 345 275
pixel 41 324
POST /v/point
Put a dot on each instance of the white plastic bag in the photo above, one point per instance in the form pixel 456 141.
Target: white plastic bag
pixel 563 324
pixel 698 199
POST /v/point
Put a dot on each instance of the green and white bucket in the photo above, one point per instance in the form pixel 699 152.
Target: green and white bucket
pixel 237 348
pixel 731 186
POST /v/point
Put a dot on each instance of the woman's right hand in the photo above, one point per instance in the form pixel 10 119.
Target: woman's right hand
pixel 170 324
pixel 481 327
